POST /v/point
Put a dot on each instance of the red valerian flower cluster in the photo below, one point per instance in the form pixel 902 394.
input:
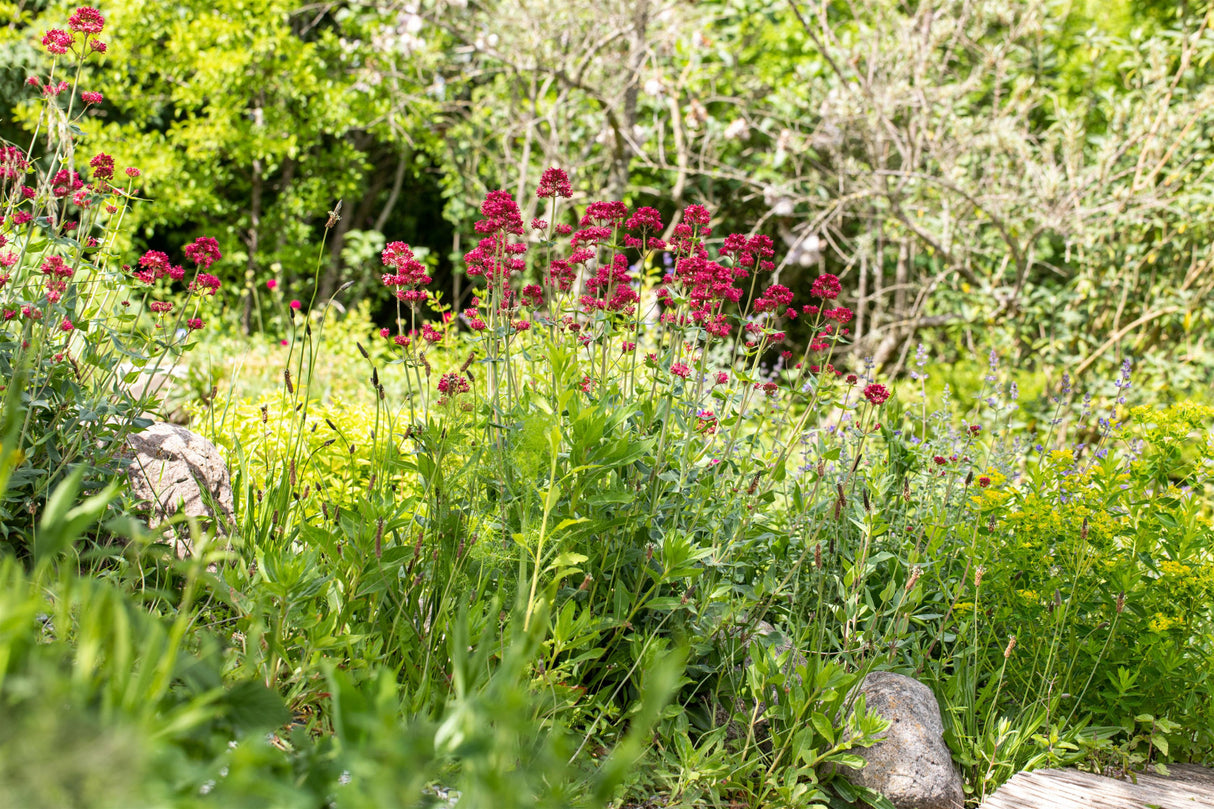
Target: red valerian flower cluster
pixel 204 251
pixel 57 272
pixel 86 20
pixel 13 163
pixel 554 183
pixel 155 265
pixel 826 287
pixel 57 41
pixel 876 394
pixel 612 288
pixel 102 165
pixel 453 384
pixel 496 257
pixel 408 276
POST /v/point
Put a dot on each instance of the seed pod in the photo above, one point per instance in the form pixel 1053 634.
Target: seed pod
pixel 818 556
pixel 421 357
pixel 379 538
pixel 363 351
pixel 332 426
pixel 1083 530
pixel 1011 644
pixel 864 496
pixel 754 482
pixel 915 573
pixel 969 479
pixel 1121 602
pixel 265 414
pixel 978 576
pixel 292 475
pixel 324 509
pixel 374 377
pixel 286 375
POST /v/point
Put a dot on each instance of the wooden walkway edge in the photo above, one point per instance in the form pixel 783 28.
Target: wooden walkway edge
pixel 1186 787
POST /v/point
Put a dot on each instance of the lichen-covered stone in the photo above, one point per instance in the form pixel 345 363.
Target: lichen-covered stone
pixel 173 468
pixel 913 767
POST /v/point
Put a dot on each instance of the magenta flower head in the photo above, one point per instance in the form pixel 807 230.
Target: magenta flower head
pixel 97 45
pixel 132 172
pixel 645 219
pixel 86 20
pixel 194 323
pixel 501 214
pixel 826 287
pixel 205 283
pixel 57 41
pixel 91 98
pixel 554 183
pixel 876 394
pixel 204 252
pixel 283 341
pixel 66 325
pixel 271 284
pixel 12 163
pixel 102 163
pixel 696 215
pixel 296 305
pixel 608 214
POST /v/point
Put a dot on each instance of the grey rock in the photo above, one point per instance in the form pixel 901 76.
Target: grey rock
pixel 912 767
pixel 172 468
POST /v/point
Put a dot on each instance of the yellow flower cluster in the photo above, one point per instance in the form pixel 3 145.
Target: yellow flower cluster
pixel 1162 623
pixel 1173 423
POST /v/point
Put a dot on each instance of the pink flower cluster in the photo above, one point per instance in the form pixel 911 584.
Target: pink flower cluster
pixel 611 288
pixel 453 384
pixel 496 257
pixel 407 273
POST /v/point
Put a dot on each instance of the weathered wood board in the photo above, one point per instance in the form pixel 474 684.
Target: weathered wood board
pixel 1186 787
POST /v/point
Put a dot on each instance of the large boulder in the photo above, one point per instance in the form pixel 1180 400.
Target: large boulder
pixel 912 767
pixel 174 469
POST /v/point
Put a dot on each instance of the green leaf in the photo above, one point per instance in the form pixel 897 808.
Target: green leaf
pixel 254 707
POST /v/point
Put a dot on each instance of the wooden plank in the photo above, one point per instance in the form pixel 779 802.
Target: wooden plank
pixel 1186 787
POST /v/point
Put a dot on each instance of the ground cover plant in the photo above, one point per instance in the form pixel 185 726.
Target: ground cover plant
pixel 600 535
